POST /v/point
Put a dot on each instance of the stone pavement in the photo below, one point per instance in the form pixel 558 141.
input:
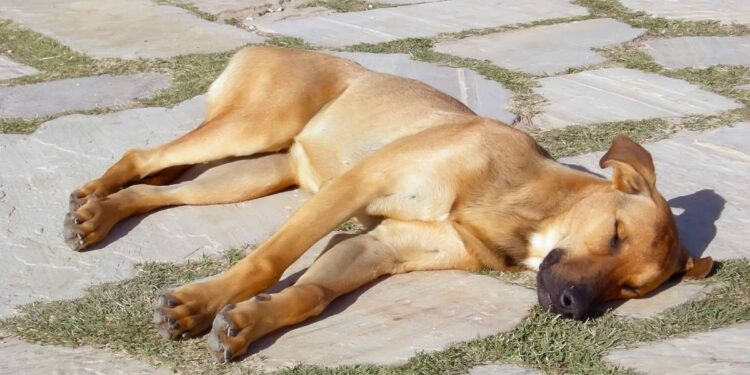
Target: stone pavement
pixel 723 351
pixel 618 94
pixel 40 169
pixel 11 69
pixel 545 49
pixel 127 29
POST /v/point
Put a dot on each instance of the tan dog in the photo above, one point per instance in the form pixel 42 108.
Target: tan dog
pixel 451 190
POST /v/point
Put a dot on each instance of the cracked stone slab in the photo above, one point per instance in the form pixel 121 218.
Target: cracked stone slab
pixel 502 370
pixel 11 69
pixel 77 94
pixel 126 29
pixel 545 49
pixel 485 97
pixel 421 20
pixel 707 190
pixel 395 318
pixel 724 11
pixel 699 52
pixel 661 300
pixel 24 358
pixel 619 94
pixel 722 351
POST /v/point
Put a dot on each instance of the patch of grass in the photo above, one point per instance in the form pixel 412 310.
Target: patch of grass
pixel 344 6
pixel 491 30
pixel 189 7
pixel 575 140
pixel 288 42
pixel 580 139
pixel 721 79
pixel 191 76
pixel 117 316
pixel 520 277
pixel 47 55
pixel 658 26
pixel 630 56
pixel 20 125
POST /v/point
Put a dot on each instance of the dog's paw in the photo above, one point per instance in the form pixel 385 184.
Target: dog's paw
pixel 180 315
pixel 89 223
pixel 235 327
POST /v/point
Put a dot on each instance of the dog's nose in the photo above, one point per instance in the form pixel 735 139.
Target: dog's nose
pixel 573 302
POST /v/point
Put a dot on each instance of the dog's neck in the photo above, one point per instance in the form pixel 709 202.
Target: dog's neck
pixel 519 218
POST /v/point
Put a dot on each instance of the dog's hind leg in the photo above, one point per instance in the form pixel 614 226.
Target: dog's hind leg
pixel 233 181
pixel 393 247
pixel 238 133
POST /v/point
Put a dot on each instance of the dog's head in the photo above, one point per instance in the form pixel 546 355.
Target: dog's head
pixel 618 243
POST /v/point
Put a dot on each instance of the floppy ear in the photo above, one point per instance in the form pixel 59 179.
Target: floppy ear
pixel 698 268
pixel 633 168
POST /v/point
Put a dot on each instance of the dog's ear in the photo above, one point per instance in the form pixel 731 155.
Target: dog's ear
pixel 633 168
pixel 698 268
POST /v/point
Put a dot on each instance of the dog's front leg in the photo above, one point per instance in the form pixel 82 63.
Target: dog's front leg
pixel 393 247
pixel 190 309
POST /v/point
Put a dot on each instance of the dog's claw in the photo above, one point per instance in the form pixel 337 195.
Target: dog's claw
pixel 167 300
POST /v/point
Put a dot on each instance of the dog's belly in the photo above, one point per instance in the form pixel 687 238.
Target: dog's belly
pixel 375 110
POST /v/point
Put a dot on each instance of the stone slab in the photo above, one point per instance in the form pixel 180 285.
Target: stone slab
pixel 661 300
pixel 392 320
pixel 11 69
pixel 700 52
pixel 723 351
pixel 485 97
pixel 127 29
pixel 619 94
pixel 545 49
pixel 704 177
pixel 724 11
pixel 502 370
pixel 744 87
pixel 48 98
pixel 30 359
pixel 421 20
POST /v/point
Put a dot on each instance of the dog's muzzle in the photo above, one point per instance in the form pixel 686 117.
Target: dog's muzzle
pixel 561 296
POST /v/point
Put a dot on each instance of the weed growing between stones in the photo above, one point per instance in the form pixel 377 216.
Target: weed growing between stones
pixel 117 316
pixel 657 26
pixel 190 8
pixel 344 6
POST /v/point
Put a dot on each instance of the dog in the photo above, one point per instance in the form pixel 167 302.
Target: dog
pixel 438 186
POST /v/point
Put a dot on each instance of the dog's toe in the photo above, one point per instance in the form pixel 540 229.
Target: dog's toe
pixel 72 234
pixel 176 320
pixel 222 340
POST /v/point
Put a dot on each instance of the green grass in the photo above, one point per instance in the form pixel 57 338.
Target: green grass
pixel 190 8
pixel 343 6
pixel 117 316
pixel 658 26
